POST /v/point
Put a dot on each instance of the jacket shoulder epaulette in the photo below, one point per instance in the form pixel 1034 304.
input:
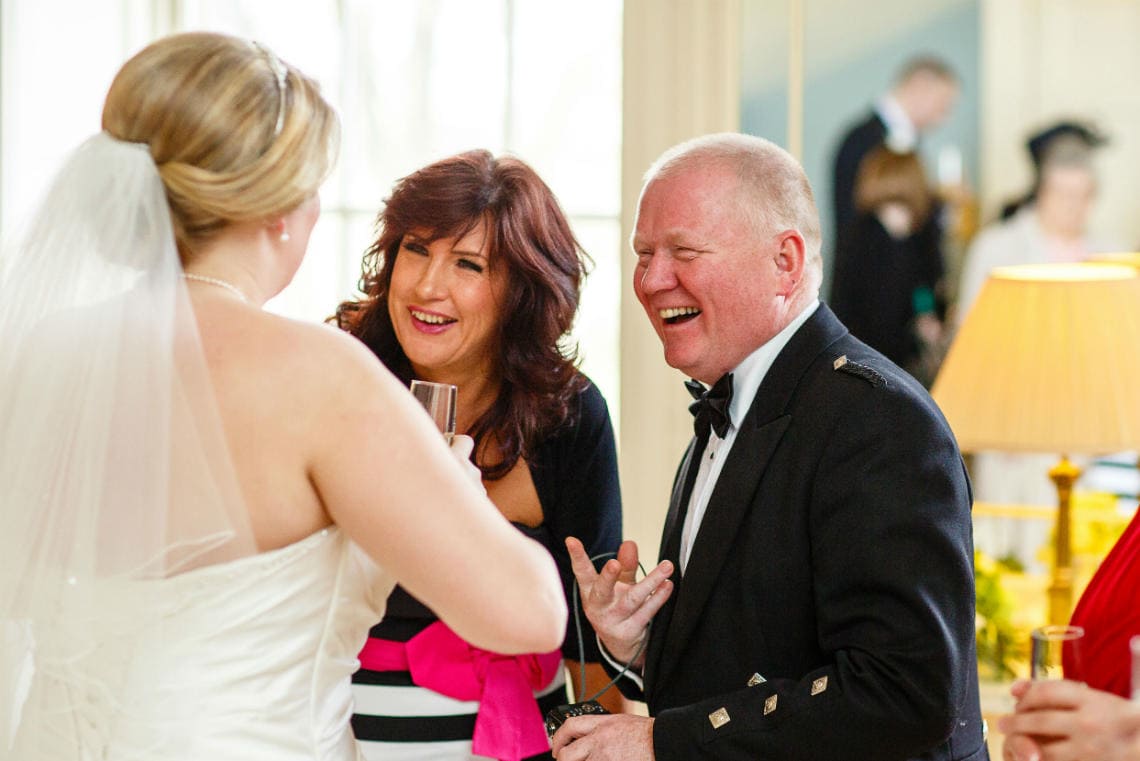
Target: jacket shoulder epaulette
pixel 866 372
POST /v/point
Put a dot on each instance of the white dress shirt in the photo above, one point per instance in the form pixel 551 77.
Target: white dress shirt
pixel 902 135
pixel 746 379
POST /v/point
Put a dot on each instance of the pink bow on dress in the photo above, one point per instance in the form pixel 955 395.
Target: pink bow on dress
pixel 509 725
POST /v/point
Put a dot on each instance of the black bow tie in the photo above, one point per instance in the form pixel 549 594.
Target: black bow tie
pixel 710 410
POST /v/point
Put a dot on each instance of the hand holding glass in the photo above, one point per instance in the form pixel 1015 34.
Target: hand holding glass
pixel 1056 653
pixel 439 401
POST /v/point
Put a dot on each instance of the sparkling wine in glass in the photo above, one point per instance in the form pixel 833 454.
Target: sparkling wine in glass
pixel 439 401
pixel 1056 652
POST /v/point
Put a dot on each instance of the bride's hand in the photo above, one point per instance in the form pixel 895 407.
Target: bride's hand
pixel 462 446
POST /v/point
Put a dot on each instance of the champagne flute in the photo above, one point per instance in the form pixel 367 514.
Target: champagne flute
pixel 439 401
pixel 1056 653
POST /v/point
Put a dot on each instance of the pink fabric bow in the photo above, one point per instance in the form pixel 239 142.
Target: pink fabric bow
pixel 509 725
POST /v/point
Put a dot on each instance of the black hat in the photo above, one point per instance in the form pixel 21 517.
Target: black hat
pixel 1072 135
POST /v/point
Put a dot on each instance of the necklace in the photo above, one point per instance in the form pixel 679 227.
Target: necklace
pixel 218 282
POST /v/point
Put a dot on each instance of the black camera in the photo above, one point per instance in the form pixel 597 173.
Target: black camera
pixel 556 717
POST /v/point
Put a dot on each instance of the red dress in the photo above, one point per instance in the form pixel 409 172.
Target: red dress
pixel 1109 611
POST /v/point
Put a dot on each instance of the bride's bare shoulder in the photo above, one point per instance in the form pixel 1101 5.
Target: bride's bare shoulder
pixel 320 354
pixel 332 384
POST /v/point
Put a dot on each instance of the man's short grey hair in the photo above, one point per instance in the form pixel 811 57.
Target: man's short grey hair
pixel 774 192
pixel 929 65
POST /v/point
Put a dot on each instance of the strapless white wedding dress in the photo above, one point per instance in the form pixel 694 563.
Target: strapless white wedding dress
pixel 256 657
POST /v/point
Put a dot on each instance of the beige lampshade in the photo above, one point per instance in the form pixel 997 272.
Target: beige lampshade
pixel 1126 258
pixel 1048 360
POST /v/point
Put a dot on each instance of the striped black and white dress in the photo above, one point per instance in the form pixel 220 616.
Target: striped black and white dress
pixel 396 719
pixel 575 476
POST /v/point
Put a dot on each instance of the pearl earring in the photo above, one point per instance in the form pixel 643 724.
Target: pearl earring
pixel 284 236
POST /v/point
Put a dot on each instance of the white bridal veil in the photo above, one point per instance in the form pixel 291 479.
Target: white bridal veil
pixel 114 473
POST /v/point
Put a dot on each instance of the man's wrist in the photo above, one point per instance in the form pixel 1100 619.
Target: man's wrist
pixel 631 656
pixel 631 670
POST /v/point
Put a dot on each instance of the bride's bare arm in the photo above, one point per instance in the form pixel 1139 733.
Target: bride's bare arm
pixel 386 478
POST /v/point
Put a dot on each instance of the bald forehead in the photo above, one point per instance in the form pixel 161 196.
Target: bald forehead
pixel 698 183
pixel 689 207
pixel 712 161
pixel 702 180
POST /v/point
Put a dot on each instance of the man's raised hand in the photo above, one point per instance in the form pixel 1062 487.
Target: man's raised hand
pixel 619 607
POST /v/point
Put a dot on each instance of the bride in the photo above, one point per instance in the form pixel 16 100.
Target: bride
pixel 204 505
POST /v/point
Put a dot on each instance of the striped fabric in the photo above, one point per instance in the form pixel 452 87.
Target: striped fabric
pixel 395 720
pixel 575 475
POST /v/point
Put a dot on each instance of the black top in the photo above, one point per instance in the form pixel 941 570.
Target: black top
pixel 874 283
pixel 575 475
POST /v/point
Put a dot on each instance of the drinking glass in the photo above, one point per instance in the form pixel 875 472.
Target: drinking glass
pixel 439 401
pixel 1056 652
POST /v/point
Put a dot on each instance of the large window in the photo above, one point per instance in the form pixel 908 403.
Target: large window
pixel 414 81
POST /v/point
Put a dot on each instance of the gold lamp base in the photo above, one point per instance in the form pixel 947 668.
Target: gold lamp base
pixel 1063 475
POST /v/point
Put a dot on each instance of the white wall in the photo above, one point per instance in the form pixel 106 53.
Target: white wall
pixel 71 51
pixel 1043 60
pixel 680 80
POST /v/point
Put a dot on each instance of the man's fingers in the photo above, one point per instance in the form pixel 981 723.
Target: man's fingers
pixel 628 599
pixel 664 570
pixel 627 558
pixel 611 573
pixel 1049 693
pixel 607 593
pixel 1020 748
pixel 580 563
pixel 645 613
pixel 641 592
pixel 1042 723
pixel 571 730
pixel 1019 687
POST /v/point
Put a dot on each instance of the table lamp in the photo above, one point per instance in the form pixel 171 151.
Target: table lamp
pixel 1125 258
pixel 1048 360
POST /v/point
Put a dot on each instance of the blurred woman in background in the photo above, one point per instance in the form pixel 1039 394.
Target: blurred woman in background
pixel 888 268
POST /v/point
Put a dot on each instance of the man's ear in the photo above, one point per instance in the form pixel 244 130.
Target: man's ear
pixel 791 258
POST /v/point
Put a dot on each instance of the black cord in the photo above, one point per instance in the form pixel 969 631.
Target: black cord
pixel 582 645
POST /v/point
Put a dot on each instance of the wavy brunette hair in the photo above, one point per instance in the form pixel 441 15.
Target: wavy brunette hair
pixel 529 236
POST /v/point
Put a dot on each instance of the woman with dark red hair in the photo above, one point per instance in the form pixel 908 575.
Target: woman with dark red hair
pixel 474 281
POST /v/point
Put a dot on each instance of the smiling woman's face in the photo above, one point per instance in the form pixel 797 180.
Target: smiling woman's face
pixel 444 306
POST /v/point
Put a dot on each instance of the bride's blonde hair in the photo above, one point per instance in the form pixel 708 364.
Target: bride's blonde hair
pixel 232 141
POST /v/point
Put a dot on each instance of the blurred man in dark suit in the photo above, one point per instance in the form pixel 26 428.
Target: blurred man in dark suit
pixel 922 98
